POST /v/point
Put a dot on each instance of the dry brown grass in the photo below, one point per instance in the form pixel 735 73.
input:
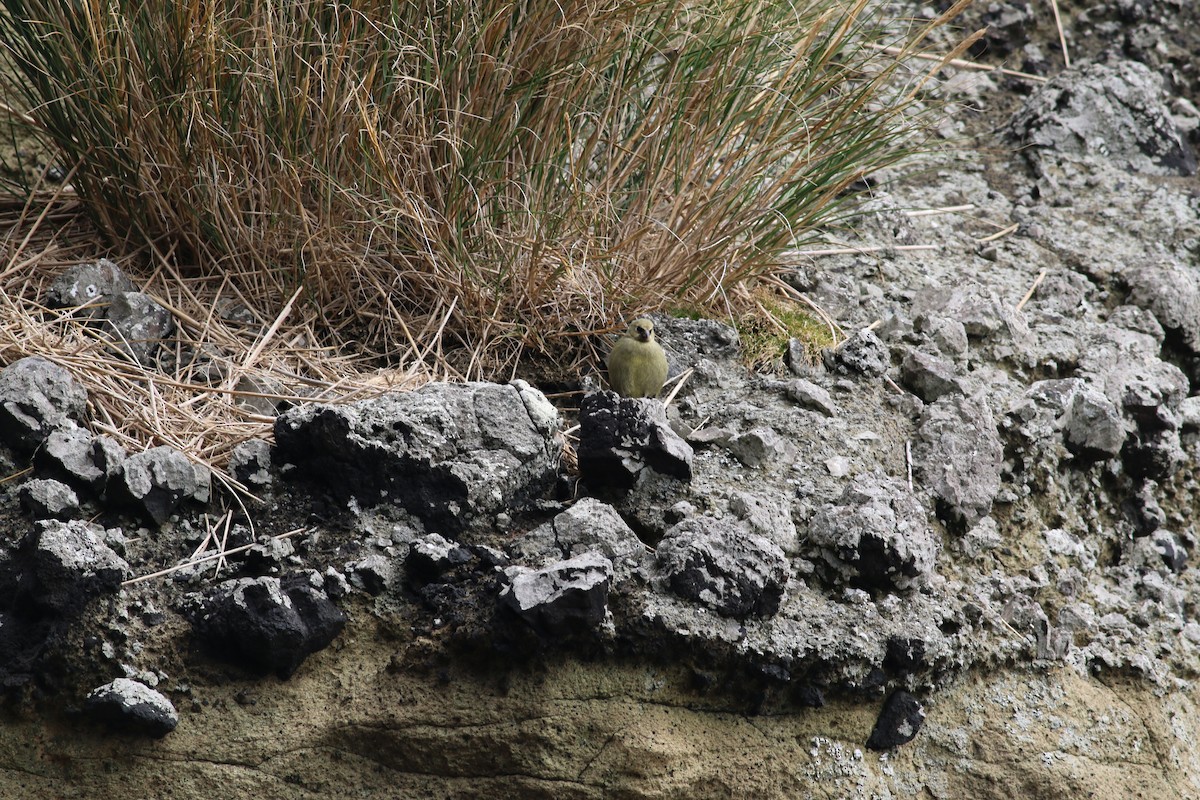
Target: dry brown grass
pixel 441 188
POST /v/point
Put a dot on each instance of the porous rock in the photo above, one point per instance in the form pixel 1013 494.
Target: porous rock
pixel 566 598
pixel 68 563
pixel 128 706
pixel 1114 110
pixel 265 624
pixel 760 447
pixel 250 463
pixel 454 455
pixel 899 721
pixel 432 555
pixel 157 481
pixel 958 456
pixel 373 574
pixel 589 525
pixel 1092 426
pixel 863 353
pixel 85 461
pixel 720 563
pixel 875 536
pixel 619 437
pixel 37 397
pixel 1170 292
pixel 88 286
pixel 45 498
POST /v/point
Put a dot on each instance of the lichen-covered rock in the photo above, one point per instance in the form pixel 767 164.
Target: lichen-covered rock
pixel 159 480
pixel 138 324
pixel 563 599
pixel 453 455
pixel 619 437
pixel 127 706
pixel 88 286
pixel 875 536
pixel 723 565
pixel 958 456
pixel 265 624
pixel 37 397
pixel 1115 111
pixel 861 354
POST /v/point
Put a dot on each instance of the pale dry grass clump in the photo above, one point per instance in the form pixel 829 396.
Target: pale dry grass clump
pixel 444 187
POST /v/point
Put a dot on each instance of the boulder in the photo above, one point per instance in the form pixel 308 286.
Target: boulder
pixel 453 455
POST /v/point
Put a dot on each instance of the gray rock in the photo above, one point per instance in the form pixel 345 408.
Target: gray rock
pixel 1000 331
pixel 861 354
pixel 250 463
pixel 433 555
pixel 812 397
pixel 161 479
pixel 949 336
pixel 1093 427
pixel 619 437
pixel 769 516
pixel 89 285
pixel 760 447
pixel 1170 292
pixel 37 397
pixel 44 498
pixel 564 599
pixel 958 457
pixel 1115 111
pixel 373 574
pixel 138 324
pixel 1150 394
pixel 69 563
pixel 1171 549
pixel 876 536
pixel 85 461
pixel 130 707
pixel 929 377
pixel 453 455
pixel 723 565
pixel 690 340
pixel 587 526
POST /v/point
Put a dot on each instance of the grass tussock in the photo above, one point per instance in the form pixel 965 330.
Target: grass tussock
pixel 443 187
pixel 462 182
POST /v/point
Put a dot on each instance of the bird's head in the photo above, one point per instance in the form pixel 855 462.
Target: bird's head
pixel 642 330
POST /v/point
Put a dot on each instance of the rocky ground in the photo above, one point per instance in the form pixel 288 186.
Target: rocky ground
pixel 952 559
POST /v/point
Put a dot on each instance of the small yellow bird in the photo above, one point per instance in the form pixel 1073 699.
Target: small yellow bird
pixel 637 365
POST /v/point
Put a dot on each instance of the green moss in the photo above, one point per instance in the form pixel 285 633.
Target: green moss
pixel 766 331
